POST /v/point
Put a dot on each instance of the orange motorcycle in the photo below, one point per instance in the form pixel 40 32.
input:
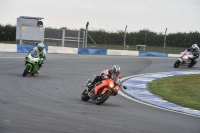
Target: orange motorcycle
pixel 102 90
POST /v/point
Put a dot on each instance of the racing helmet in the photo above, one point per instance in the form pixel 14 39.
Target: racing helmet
pixel 195 46
pixel 116 70
pixel 40 46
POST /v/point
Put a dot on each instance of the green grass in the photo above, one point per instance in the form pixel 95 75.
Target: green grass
pixel 182 90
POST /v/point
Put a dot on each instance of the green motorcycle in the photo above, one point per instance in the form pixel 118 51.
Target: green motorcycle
pixel 31 64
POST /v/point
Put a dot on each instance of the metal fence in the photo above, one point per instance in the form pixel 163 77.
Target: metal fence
pixel 137 44
pixel 76 39
pixel 64 37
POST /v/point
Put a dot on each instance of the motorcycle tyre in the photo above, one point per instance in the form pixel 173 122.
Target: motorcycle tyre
pixel 177 64
pixel 84 96
pixel 105 97
pixel 26 71
pixel 191 65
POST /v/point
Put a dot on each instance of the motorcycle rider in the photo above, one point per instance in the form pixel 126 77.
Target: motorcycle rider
pixel 108 73
pixel 40 51
pixel 195 51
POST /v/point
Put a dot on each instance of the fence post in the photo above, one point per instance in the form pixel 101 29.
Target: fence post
pixel 125 38
pixel 78 37
pixel 20 41
pixel 106 35
pixel 83 39
pixel 165 39
pixel 86 30
pixel 145 38
pixel 63 38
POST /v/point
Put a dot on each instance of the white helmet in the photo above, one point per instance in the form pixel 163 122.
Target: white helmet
pixel 116 70
pixel 40 46
pixel 195 46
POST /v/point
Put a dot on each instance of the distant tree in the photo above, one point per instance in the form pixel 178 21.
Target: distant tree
pixel 7 32
pixel 101 36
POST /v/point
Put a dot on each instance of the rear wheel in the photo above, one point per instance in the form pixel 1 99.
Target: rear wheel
pixel 84 95
pixel 192 64
pixel 26 71
pixel 177 64
pixel 103 97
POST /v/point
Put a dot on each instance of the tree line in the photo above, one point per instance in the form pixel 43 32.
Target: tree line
pixel 145 37
pixel 8 33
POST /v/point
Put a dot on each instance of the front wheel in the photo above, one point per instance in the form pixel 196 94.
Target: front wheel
pixel 177 64
pixel 103 97
pixel 26 71
pixel 84 95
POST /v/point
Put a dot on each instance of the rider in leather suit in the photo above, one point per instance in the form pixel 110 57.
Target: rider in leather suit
pixel 195 51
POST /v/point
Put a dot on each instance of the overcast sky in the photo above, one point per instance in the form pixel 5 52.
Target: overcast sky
pixel 155 15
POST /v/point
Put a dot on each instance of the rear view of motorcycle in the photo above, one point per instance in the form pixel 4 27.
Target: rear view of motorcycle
pixel 101 91
pixel 31 64
pixel 185 59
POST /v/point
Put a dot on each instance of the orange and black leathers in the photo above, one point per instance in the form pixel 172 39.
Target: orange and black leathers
pixel 105 78
pixel 108 72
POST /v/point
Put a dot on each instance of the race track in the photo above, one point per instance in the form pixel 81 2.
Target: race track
pixel 50 102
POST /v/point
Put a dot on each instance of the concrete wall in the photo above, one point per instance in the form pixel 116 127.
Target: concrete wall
pixel 8 47
pixel 65 50
pixel 122 52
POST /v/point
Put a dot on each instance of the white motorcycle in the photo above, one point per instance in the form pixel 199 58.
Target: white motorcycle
pixel 184 60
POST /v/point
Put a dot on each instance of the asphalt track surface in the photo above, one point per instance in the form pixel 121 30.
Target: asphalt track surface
pixel 50 102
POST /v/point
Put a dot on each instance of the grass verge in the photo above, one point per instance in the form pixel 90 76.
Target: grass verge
pixel 182 90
